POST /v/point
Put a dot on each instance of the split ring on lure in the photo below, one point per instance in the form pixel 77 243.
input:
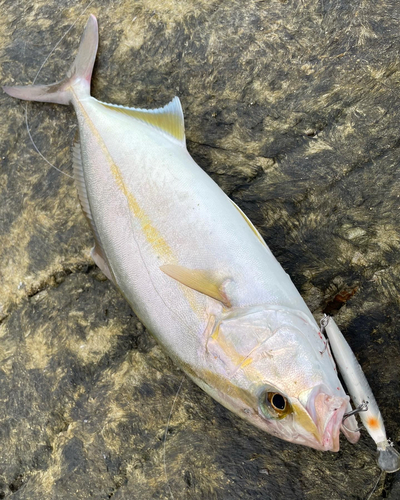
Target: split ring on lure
pixel 361 395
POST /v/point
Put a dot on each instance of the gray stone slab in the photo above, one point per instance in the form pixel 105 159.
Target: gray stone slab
pixel 294 109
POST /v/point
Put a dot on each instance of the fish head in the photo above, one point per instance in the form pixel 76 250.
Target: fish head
pixel 272 367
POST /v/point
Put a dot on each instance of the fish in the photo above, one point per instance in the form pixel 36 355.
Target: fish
pixel 193 267
pixel 362 397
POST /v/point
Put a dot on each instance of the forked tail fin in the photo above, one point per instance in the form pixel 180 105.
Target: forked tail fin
pixel 78 75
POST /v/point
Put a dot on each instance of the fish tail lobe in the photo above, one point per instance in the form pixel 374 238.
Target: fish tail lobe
pixel 78 76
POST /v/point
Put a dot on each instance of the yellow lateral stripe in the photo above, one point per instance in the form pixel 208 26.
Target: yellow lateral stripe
pixel 152 235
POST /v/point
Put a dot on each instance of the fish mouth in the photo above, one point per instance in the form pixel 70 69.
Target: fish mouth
pixel 328 417
pixel 330 411
pixel 322 418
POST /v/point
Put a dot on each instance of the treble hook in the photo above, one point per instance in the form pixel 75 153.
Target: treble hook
pixel 322 324
pixel 361 407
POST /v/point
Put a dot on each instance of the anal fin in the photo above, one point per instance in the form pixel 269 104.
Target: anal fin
pixel 97 252
pixel 101 261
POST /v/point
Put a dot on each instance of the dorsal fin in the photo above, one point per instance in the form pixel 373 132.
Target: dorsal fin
pixel 97 252
pixel 168 119
pixel 250 224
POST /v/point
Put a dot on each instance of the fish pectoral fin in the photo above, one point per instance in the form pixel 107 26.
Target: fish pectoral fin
pixel 168 119
pixel 198 280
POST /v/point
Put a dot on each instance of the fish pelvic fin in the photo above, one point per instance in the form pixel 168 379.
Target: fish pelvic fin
pixel 78 75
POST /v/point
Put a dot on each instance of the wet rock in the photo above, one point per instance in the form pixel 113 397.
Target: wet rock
pixel 294 109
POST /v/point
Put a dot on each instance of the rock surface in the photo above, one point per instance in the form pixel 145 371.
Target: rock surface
pixel 294 109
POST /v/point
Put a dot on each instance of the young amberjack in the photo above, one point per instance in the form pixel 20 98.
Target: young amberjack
pixel 193 267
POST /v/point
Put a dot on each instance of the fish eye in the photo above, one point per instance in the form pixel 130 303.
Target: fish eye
pixel 274 405
pixel 277 401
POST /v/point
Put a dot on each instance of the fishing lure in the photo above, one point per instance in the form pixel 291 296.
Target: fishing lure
pixel 362 396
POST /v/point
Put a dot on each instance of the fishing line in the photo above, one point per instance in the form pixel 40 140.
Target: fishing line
pixel 375 486
pixel 165 437
pixel 34 80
